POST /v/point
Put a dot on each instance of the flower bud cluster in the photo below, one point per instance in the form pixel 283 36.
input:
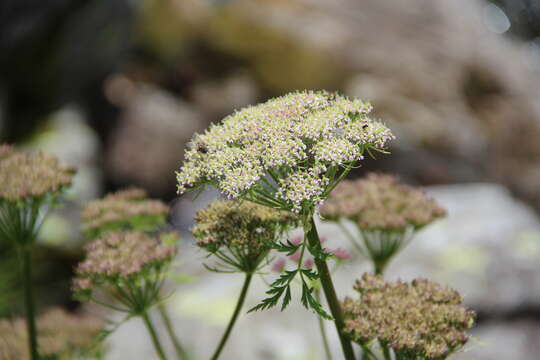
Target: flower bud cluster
pixel 380 202
pixel 302 186
pixel 241 231
pixel 123 256
pixel 296 139
pixel 60 336
pixel 417 320
pixel 27 175
pixel 125 209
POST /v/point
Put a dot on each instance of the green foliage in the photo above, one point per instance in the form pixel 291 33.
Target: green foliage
pixel 280 289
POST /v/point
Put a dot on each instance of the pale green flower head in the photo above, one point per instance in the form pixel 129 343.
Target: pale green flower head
pixel 239 233
pixel 287 153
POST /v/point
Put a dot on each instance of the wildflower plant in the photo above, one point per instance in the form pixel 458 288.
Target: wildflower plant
pixel 130 210
pixel 387 214
pixel 61 336
pixel 124 271
pixel 32 184
pixel 420 320
pixel 239 235
pixel 288 154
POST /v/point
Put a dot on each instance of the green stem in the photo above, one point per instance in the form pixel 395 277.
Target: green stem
pixel 153 335
pixel 386 352
pixel 180 351
pixel 26 252
pixel 379 267
pixel 323 330
pixel 329 291
pixel 235 314
pixel 367 354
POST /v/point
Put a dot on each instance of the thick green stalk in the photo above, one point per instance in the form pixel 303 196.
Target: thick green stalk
pixel 329 291
pixel 323 331
pixel 153 335
pixel 180 351
pixel 26 258
pixel 235 314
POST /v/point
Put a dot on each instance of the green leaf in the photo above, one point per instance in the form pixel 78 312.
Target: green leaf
pixel 310 274
pixel 305 295
pixel 279 287
pixel 286 299
pixel 289 248
pixel 309 302
pixel 285 278
pixel 319 253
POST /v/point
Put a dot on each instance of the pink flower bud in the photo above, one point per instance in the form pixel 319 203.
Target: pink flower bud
pixel 279 265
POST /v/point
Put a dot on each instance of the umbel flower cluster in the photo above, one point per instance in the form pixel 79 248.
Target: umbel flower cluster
pixel 129 265
pixel 128 209
pixel 31 184
pixel 380 201
pixel 417 320
pixel 386 212
pixel 61 336
pixel 286 153
pixel 27 175
pixel 240 233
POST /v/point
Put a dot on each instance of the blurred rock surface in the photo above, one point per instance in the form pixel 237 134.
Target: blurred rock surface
pixel 148 142
pixel 460 96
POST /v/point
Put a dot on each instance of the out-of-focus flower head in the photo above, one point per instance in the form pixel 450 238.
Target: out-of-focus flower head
pixel 131 265
pixel 30 175
pixel 386 212
pixel 240 233
pixel 30 183
pixel 128 209
pixel 381 202
pixel 286 153
pixel 61 335
pixel 417 320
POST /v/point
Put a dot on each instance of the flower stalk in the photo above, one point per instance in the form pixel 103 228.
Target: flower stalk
pixel 153 335
pixel 232 321
pixel 181 353
pixel 26 262
pixel 322 330
pixel 313 240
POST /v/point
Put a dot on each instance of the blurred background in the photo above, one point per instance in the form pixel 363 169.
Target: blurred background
pixel 116 88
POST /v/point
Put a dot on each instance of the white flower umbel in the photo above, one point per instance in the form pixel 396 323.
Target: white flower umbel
pixel 288 154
